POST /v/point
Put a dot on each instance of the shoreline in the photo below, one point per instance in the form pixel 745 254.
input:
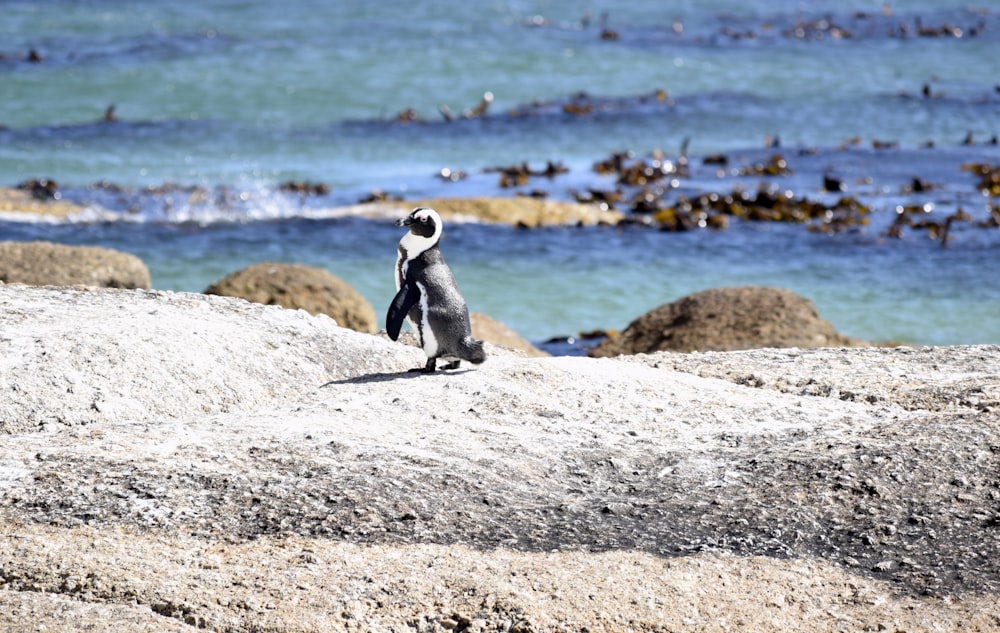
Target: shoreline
pixel 830 190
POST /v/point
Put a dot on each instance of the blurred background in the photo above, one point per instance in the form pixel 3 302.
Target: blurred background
pixel 206 136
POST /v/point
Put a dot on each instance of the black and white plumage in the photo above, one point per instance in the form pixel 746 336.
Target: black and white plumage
pixel 428 297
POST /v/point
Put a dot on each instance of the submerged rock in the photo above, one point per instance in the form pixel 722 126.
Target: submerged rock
pixel 720 319
pixel 50 264
pixel 31 200
pixel 522 211
pixel 295 286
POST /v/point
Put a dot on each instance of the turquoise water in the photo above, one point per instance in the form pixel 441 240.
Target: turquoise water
pixel 236 92
pixel 237 98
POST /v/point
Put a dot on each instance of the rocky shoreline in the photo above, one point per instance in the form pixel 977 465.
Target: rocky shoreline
pixel 176 460
pixel 674 194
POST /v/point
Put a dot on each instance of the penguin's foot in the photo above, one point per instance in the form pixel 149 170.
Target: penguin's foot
pixel 426 369
pixel 431 366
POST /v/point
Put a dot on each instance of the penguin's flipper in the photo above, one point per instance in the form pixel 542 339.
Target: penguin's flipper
pixel 405 299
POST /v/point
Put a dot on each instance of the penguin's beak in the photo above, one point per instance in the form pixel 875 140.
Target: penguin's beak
pixel 407 221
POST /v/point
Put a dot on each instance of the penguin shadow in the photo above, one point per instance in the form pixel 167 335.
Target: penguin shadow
pixel 396 375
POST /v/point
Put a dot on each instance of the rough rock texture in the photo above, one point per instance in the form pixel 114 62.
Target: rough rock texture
pixel 720 319
pixel 112 357
pixel 488 329
pixel 178 460
pixel 521 211
pixel 49 264
pixel 295 286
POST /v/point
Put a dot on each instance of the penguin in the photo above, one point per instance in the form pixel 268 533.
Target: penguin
pixel 427 296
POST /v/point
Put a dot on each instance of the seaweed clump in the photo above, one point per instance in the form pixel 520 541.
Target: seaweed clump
pixel 766 204
pixel 989 177
pixel 644 187
pixel 518 175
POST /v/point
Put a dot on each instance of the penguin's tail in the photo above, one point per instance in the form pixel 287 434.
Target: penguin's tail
pixel 472 350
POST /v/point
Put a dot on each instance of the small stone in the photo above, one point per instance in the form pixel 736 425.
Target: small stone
pixel 883 566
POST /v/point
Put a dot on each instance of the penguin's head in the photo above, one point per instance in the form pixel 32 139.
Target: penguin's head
pixel 423 222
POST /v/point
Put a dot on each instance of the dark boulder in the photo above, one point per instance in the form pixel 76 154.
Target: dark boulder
pixel 295 286
pixel 722 319
pixel 50 264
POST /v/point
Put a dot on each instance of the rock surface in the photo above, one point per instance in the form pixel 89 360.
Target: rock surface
pixel 50 264
pixel 176 460
pixel 19 202
pixel 521 211
pixel 721 319
pixel 295 286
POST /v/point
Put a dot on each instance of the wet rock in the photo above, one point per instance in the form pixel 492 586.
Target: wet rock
pixel 488 329
pixel 521 174
pixel 295 286
pixel 41 188
pixel 735 318
pixel 521 211
pixel 776 165
pixel 36 198
pixel 50 264
pixel 305 188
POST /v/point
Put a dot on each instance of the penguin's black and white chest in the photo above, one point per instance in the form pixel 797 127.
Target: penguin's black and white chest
pixel 411 273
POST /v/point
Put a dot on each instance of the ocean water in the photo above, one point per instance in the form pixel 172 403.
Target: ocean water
pixel 218 103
